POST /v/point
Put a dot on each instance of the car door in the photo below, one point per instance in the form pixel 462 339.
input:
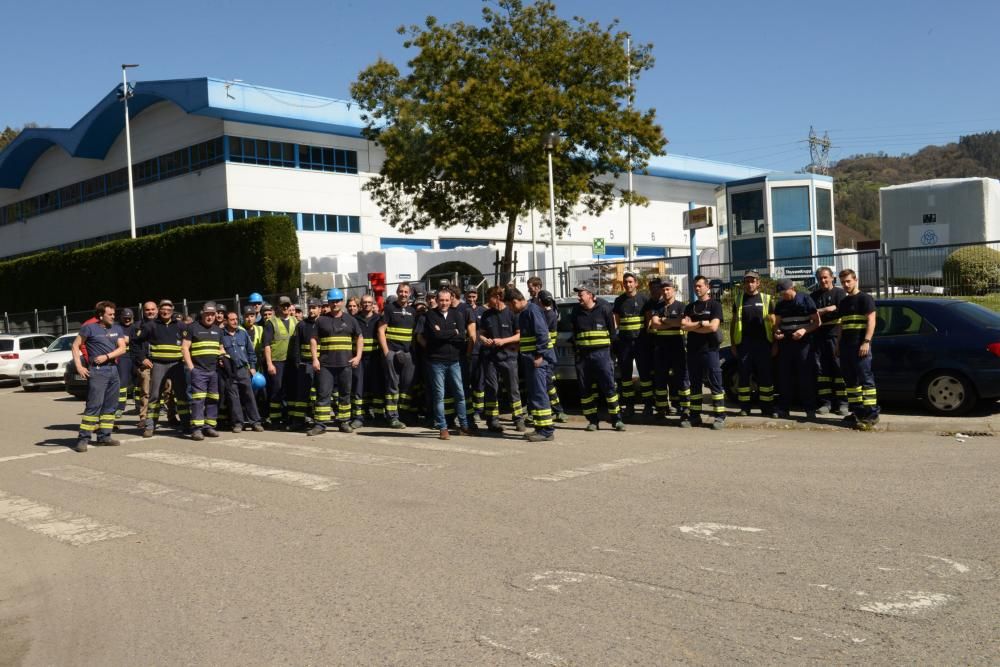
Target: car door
pixel 902 350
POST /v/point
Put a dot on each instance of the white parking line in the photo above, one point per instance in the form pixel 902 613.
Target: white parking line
pixel 280 475
pixel 573 473
pixel 68 527
pixel 60 450
pixel 325 453
pixel 442 447
pixel 153 491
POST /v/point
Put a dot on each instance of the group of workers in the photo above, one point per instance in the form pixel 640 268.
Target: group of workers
pixel 341 363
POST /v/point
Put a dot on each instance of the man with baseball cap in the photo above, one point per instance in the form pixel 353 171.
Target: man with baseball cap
pixel 751 333
pixel 594 332
pixel 201 347
pixel 279 360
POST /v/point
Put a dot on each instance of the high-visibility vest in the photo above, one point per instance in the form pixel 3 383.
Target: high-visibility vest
pixel 279 344
pixel 765 300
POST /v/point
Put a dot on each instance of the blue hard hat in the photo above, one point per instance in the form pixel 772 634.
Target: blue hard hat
pixel 335 294
pixel 255 297
pixel 258 381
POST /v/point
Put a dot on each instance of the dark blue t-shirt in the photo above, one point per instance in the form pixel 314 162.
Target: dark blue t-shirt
pixel 100 340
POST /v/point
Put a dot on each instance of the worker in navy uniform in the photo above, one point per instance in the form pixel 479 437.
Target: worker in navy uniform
pixel 139 353
pixel 795 318
pixel 336 347
pixel 857 320
pixel 646 349
pixel 499 335
pixel 472 372
pixel 222 369
pixel 241 365
pixel 201 347
pixel 545 299
pixel 669 353
pixel 830 386
pixel 702 320
pixel 367 399
pixel 104 342
pixel 162 337
pixel 752 341
pixel 537 359
pixel 627 310
pixel 594 333
pixel 279 361
pixel 125 367
pixel 301 393
pixel 395 338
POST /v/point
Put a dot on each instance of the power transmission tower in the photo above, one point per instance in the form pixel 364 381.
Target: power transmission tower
pixel 819 152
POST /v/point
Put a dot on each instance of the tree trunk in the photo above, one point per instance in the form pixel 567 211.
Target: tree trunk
pixel 507 265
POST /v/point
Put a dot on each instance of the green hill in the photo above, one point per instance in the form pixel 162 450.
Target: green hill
pixel 858 178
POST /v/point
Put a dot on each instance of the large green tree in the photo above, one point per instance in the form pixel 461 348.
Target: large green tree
pixel 464 130
pixel 9 134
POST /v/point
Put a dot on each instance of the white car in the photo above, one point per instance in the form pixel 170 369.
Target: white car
pixel 15 349
pixel 48 368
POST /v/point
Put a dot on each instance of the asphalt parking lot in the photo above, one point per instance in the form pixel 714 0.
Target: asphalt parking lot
pixel 778 543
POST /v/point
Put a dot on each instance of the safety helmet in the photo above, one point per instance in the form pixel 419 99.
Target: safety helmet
pixel 255 297
pixel 258 382
pixel 335 294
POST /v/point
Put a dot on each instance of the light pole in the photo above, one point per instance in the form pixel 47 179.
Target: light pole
pixel 551 141
pixel 126 93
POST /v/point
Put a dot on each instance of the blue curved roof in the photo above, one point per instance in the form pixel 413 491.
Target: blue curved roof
pixel 93 135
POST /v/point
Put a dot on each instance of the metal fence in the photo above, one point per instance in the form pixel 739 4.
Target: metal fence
pixel 963 270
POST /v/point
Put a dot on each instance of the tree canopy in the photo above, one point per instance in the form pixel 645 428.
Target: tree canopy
pixel 464 131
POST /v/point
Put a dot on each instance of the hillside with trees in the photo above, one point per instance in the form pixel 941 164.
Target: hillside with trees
pixel 858 178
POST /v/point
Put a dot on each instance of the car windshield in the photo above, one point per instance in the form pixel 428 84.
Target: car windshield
pixel 984 317
pixel 61 344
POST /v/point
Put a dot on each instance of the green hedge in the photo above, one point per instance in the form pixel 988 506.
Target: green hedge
pixel 971 271
pixel 198 261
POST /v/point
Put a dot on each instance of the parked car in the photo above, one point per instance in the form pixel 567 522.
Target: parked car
pixel 48 368
pixel 76 385
pixel 943 353
pixel 15 349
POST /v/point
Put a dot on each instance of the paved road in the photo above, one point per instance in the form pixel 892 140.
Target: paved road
pixel 653 546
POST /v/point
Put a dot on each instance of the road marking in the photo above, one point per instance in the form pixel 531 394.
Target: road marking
pixel 442 447
pixel 544 657
pixel 154 491
pixel 68 527
pixel 573 473
pixel 908 603
pixel 955 565
pixel 707 531
pixel 280 475
pixel 61 450
pixel 313 452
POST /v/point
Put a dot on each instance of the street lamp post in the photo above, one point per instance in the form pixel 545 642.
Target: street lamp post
pixel 128 150
pixel 551 141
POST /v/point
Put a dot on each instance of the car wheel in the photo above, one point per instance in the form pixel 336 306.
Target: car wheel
pixel 948 393
pixel 28 387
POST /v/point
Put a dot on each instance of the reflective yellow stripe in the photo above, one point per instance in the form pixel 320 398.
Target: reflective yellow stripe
pixel 630 323
pixel 593 339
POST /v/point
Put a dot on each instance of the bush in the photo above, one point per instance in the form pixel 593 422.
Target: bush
pixel 971 271
pixel 258 254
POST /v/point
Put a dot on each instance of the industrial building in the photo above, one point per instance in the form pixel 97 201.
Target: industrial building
pixel 940 212
pixel 210 150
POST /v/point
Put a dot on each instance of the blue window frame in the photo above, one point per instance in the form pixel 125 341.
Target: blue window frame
pixel 749 254
pixel 790 209
pixel 613 251
pixel 412 244
pixel 652 251
pixel 824 247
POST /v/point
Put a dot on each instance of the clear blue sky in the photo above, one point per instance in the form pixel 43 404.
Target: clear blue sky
pixel 735 81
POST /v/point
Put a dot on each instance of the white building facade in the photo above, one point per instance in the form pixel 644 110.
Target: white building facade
pixel 208 150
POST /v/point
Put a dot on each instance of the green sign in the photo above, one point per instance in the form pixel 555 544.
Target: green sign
pixel 599 247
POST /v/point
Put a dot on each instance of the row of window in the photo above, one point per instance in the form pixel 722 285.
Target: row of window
pixel 162 167
pixel 789 211
pixel 310 222
pixel 293 156
pixel 788 251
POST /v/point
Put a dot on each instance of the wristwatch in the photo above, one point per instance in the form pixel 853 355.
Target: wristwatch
pixel 867 340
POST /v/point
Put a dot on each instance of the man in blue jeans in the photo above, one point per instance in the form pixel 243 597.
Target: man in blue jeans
pixel 446 334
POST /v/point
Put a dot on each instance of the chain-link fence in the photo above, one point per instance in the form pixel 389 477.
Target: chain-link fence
pixel 969 271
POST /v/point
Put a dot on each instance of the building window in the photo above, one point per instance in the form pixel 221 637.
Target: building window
pixel 824 209
pixel 824 246
pixel 145 172
pixel 410 243
pixel 747 213
pixel 749 254
pixel 451 244
pixel 328 159
pixel 652 251
pixel 320 222
pixel 790 209
pixel 613 251
pixel 792 251
pixel 174 163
